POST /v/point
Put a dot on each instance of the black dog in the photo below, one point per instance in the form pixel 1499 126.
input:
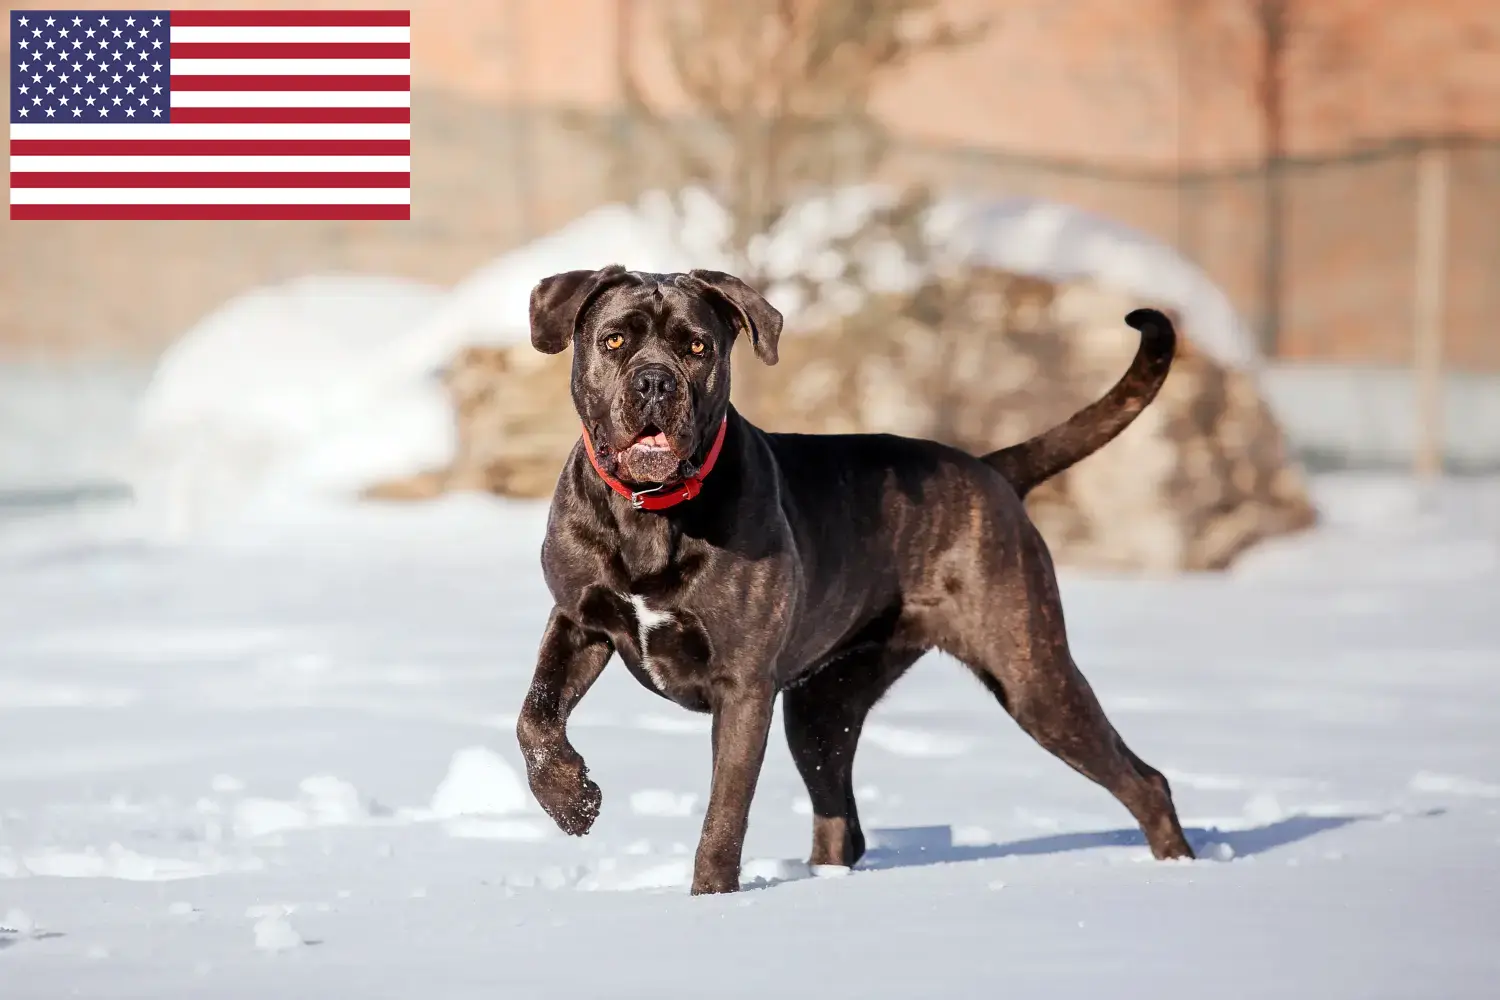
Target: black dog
pixel 726 565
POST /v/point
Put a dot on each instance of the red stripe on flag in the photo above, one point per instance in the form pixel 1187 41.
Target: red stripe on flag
pixel 291 50
pixel 357 82
pixel 281 116
pixel 209 179
pixel 217 212
pixel 291 18
pixel 210 147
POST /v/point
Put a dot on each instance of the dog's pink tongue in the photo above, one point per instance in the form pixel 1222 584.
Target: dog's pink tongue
pixel 657 440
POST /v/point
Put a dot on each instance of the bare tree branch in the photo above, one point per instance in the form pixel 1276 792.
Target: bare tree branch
pixel 784 89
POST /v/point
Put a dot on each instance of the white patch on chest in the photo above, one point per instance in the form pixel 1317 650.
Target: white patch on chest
pixel 645 621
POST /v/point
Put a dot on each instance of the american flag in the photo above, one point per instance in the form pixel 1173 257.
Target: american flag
pixel 210 114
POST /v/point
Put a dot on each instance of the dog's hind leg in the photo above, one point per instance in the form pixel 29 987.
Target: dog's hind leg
pixel 824 715
pixel 1020 652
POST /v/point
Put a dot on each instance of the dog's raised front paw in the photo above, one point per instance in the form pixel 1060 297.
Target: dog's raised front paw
pixel 568 795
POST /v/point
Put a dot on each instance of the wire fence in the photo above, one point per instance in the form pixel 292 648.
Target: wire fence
pixel 1340 287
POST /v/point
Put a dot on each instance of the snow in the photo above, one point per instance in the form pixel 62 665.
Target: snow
pixel 118 862
pixel 479 781
pixel 17 922
pixel 660 802
pixel 273 933
pixel 1440 784
pixel 321 386
pixel 281 391
pixel 324 800
pixel 280 761
pixel 63 424
pixel 912 743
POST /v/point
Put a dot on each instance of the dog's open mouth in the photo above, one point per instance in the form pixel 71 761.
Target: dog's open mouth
pixel 650 457
pixel 651 438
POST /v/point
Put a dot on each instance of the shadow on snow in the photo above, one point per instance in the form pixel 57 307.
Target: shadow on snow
pixel 916 846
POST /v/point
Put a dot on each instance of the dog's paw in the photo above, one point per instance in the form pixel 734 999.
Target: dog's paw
pixel 708 885
pixel 569 796
pixel 1176 850
pixel 715 871
pixel 577 816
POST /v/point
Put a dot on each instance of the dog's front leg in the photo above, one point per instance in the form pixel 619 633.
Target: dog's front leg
pixel 742 718
pixel 568 663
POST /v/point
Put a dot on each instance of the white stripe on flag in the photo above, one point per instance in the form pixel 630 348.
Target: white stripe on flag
pixel 291 99
pixel 233 34
pixel 205 130
pixel 210 196
pixel 210 164
pixel 291 67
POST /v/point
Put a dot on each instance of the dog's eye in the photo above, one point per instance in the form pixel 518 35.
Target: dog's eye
pixel 614 341
pixel 697 346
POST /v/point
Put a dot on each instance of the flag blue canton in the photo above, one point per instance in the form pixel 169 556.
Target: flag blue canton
pixel 90 66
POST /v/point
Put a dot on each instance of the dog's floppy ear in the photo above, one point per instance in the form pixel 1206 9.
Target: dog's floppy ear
pixel 757 317
pixel 558 301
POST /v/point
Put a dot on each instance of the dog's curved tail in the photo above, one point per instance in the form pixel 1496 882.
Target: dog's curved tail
pixel 1038 459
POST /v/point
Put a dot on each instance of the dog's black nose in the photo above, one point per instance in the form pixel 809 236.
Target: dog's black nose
pixel 654 383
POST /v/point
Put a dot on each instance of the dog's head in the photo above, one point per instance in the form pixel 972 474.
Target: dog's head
pixel 650 359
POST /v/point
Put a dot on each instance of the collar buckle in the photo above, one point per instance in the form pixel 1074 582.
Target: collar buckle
pixel 638 497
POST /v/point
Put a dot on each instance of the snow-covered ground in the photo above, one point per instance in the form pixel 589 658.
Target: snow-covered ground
pixel 280 763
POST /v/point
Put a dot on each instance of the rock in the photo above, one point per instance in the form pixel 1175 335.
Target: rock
pixel 979 361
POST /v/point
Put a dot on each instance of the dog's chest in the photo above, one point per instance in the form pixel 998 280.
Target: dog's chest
pixel 666 648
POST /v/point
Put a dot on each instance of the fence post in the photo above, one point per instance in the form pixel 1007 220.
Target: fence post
pixel 1428 310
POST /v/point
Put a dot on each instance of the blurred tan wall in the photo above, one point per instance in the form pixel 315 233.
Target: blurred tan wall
pixel 1105 103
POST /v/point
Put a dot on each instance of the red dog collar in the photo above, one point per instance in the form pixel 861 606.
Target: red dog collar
pixel 668 494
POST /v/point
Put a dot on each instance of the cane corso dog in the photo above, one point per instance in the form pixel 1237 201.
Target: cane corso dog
pixel 727 565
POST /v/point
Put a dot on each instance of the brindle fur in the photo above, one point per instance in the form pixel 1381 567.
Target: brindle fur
pixel 818 567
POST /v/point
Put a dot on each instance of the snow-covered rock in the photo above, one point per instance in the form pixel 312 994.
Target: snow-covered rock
pixel 978 360
pixel 318 387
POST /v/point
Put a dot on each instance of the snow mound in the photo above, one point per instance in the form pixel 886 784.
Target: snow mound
pixel 324 801
pixel 248 392
pixel 331 801
pixel 478 783
pixel 274 933
pixel 17 922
